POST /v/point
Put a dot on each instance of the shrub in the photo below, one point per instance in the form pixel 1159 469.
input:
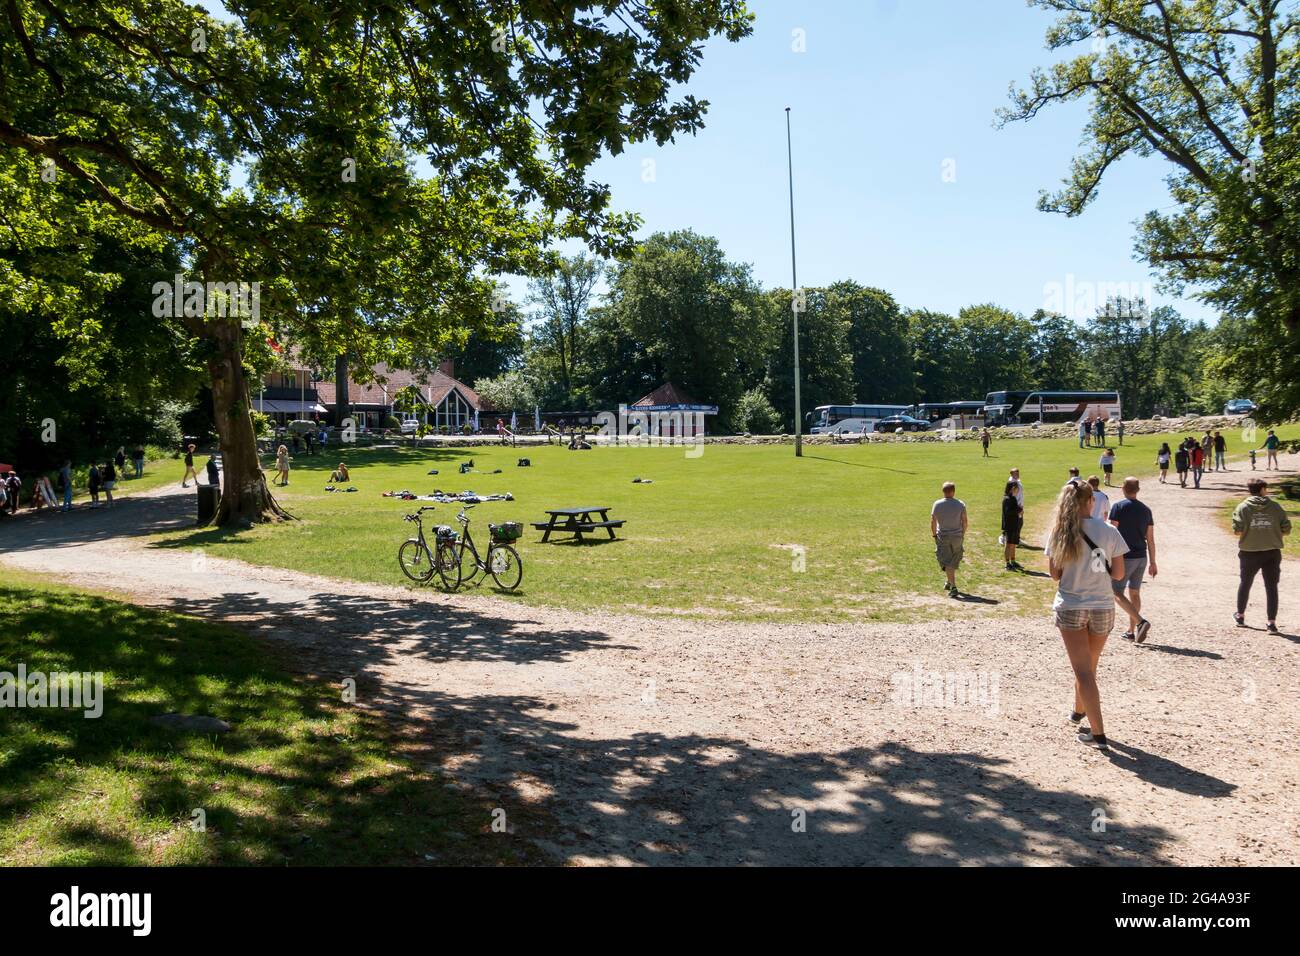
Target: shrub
pixel 754 413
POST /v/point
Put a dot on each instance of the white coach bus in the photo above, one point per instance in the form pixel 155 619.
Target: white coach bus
pixel 1049 408
pixel 842 419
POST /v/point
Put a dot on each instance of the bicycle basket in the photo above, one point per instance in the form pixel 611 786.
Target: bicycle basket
pixel 506 531
pixel 445 532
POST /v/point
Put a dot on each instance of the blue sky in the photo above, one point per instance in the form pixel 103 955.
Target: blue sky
pixel 886 92
pixel 886 96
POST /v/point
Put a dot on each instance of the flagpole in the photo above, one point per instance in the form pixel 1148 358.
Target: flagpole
pixel 794 296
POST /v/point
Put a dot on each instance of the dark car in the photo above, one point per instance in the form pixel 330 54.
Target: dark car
pixel 906 422
pixel 1239 406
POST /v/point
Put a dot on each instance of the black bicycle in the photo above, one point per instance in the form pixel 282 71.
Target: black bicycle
pixel 418 560
pixel 501 561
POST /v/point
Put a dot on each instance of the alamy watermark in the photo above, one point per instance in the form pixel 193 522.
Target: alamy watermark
pixel 651 426
pixel 946 689
pixel 182 298
pixel 1084 300
pixel 70 691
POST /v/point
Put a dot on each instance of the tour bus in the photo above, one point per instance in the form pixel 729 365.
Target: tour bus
pixel 951 414
pixel 839 419
pixel 1049 408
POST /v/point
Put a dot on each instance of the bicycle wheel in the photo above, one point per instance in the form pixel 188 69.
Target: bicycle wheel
pixel 415 560
pixel 506 567
pixel 448 563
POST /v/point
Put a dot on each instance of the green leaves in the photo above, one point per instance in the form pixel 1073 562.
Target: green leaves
pixel 1212 86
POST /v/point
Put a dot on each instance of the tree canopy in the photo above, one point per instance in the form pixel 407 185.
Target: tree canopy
pixel 369 164
pixel 1212 87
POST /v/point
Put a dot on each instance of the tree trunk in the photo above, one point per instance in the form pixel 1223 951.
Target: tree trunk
pixel 245 497
pixel 341 398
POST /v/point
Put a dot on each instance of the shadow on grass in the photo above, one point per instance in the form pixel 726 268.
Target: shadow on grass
pixel 301 779
pixel 860 464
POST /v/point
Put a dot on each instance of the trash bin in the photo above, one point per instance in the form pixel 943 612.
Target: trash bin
pixel 209 498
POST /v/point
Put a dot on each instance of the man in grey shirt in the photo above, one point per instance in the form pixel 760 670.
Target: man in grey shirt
pixel 948 527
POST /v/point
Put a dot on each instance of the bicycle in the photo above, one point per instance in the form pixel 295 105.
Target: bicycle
pixel 501 561
pixel 417 561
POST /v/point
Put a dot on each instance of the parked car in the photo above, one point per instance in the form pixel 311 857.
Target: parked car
pixel 410 425
pixel 906 422
pixel 1239 406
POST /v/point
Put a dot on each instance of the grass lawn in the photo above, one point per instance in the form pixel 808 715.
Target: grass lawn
pixel 713 536
pixel 301 779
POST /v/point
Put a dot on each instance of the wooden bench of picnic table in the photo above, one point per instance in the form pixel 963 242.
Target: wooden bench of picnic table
pixel 577 522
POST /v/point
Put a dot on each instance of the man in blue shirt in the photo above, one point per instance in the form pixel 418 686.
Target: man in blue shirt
pixel 1136 523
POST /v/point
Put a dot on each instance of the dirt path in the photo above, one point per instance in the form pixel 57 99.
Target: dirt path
pixel 670 741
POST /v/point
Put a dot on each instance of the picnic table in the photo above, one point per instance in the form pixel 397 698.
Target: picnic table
pixel 576 521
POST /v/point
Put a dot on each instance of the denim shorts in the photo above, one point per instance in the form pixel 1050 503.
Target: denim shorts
pixel 1134 570
pixel 1092 620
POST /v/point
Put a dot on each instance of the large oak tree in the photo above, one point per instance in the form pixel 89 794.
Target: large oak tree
pixel 1213 87
pixel 370 163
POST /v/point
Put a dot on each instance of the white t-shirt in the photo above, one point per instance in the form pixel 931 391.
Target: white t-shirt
pixel 1085 583
pixel 1020 492
pixel 1100 507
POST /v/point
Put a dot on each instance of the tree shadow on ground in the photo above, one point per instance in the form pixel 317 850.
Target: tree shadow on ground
pixel 303 777
pixel 660 799
pixel 359 632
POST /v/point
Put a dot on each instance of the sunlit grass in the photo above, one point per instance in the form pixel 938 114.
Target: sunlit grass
pixel 740 532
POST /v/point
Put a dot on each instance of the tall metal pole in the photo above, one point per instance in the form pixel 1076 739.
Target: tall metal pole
pixel 794 297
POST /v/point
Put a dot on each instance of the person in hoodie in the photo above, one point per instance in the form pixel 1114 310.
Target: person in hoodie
pixel 1261 524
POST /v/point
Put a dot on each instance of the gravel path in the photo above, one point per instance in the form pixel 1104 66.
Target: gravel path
pixel 681 741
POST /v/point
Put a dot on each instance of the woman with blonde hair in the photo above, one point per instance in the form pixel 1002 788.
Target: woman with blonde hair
pixel 282 464
pixel 340 474
pixel 1084 554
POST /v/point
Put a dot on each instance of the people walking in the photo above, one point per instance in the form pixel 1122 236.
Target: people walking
pixel 1220 452
pixel 109 475
pixel 1107 462
pixel 13 490
pixel 65 484
pixel 1271 444
pixel 92 484
pixel 1136 523
pixel 1198 462
pixel 1261 525
pixel 1012 521
pixel 1119 430
pixel 1182 462
pixel 282 465
pixel 1162 460
pixel 1083 431
pixel 1101 431
pixel 1080 551
pixel 119 460
pixel 1100 500
pixel 948 524
pixel 137 459
pixel 189 467
pixel 985 438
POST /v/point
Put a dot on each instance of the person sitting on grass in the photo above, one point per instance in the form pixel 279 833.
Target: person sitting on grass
pixel 340 474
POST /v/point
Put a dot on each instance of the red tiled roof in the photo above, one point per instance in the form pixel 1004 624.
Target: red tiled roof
pixel 666 394
pixel 434 386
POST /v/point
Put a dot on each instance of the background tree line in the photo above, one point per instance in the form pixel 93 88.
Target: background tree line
pixel 679 310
